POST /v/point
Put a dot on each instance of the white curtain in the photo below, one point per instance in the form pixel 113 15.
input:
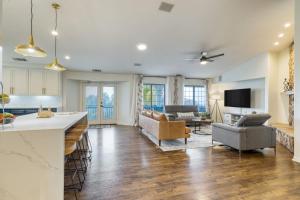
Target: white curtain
pixel 137 98
pixel 178 90
pixel 170 90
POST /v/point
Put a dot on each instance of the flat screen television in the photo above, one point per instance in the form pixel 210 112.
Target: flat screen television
pixel 238 98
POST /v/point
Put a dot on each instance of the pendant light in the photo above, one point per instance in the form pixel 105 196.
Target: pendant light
pixel 55 64
pixel 30 49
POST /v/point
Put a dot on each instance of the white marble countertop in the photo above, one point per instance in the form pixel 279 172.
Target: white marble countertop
pixel 60 121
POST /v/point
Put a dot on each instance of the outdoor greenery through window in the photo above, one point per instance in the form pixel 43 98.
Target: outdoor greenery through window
pixel 195 95
pixel 154 97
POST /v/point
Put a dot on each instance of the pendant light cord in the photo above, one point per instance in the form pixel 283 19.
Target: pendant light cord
pixel 31 17
pixel 55 38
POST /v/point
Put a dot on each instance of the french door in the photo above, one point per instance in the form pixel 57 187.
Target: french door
pixel 100 103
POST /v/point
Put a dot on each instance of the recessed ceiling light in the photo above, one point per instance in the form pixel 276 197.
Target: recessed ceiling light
pixel 280 35
pixel 141 47
pixel 287 24
pixel 67 57
pixel 276 43
pixel 54 33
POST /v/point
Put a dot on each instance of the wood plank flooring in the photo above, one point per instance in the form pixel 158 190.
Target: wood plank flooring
pixel 126 165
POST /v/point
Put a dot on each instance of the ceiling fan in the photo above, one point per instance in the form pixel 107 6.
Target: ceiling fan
pixel 204 59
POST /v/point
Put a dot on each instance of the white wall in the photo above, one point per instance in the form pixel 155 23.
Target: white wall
pixel 257 95
pixel 71 95
pixel 124 103
pixel 282 100
pixel 297 83
pixel 269 69
pixel 254 68
pixel 1 61
pixel 72 91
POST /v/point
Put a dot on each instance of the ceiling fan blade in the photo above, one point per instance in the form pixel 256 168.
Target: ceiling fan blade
pixel 216 56
pixel 191 59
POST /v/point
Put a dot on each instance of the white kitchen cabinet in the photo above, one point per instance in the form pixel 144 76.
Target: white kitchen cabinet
pixel 44 82
pixel 15 81
pixel 7 82
pixel 36 82
pixel 51 83
pixel 31 82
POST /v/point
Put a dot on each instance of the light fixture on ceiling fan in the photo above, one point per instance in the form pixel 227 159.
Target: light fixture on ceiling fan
pixel 204 59
pixel 30 49
pixel 55 64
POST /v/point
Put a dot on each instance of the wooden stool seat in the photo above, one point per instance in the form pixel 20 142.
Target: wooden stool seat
pixel 75 136
pixel 79 129
pixel 70 147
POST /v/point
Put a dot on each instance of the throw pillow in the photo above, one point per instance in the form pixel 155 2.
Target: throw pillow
pixel 185 115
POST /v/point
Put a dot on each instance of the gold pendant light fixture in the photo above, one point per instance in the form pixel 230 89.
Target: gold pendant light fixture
pixel 30 49
pixel 55 64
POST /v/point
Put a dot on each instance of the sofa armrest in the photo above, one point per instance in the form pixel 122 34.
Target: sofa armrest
pixel 229 127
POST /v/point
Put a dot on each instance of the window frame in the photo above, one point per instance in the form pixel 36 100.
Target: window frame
pixel 151 100
pixel 194 96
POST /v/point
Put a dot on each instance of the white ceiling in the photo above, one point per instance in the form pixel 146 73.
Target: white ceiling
pixel 103 33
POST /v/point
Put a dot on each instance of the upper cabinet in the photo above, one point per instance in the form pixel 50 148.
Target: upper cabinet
pixel 15 81
pixel 51 83
pixel 33 82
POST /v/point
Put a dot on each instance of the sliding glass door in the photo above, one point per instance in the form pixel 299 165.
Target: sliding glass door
pixel 100 103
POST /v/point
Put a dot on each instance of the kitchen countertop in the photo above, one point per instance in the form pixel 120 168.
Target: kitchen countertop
pixel 60 120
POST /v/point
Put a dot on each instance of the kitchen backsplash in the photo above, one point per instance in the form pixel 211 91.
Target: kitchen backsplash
pixel 34 102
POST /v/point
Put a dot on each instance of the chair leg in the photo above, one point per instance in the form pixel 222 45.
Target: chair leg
pixel 185 140
pixel 159 142
pixel 240 153
pixel 275 150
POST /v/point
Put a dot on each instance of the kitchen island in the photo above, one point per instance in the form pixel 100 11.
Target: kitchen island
pixel 32 156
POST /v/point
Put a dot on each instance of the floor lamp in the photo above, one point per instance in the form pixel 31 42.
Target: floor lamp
pixel 217 110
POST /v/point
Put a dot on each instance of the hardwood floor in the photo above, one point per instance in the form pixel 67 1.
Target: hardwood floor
pixel 126 165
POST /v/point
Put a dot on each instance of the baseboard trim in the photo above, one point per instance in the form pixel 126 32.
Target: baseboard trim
pixel 296 159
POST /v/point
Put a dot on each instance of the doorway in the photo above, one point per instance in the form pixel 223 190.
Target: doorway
pixel 100 102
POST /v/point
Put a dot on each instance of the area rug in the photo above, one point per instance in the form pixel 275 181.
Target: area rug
pixel 195 141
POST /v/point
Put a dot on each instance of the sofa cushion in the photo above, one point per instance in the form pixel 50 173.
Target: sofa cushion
pixel 253 120
pixel 159 116
pixel 180 108
pixel 183 115
pixel 147 113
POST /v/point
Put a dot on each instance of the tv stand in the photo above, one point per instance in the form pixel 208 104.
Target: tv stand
pixel 232 118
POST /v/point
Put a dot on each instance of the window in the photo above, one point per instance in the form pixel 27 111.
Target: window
pixel 195 95
pixel 154 97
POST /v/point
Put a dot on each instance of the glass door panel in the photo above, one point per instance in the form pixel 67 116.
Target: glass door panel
pixel 91 103
pixel 108 104
pixel 100 103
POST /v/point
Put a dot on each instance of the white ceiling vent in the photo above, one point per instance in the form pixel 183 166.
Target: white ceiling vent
pixel 166 7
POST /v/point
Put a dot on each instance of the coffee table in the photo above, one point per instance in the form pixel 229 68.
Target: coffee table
pixel 197 122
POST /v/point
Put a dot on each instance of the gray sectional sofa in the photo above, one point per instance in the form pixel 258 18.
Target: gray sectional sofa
pixel 249 133
pixel 172 110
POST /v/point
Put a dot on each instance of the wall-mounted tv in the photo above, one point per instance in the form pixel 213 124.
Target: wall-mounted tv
pixel 238 98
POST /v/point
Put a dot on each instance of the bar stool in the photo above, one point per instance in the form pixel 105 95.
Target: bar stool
pixel 77 136
pixel 70 147
pixel 86 144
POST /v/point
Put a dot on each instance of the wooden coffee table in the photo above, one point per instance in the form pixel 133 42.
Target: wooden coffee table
pixel 197 122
